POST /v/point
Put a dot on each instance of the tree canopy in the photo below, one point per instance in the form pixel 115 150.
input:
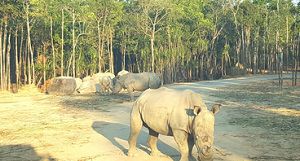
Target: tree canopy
pixel 183 40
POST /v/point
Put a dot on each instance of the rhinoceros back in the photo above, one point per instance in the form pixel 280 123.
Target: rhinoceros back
pixel 154 81
pixel 164 109
pixel 141 81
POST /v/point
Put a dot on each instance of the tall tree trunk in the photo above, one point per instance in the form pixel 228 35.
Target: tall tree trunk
pixel 25 63
pixel 102 62
pixel 108 49
pixel 29 44
pixel 222 65
pixel 297 59
pixel 4 78
pixel 240 60
pixel 69 65
pixel 8 62
pixel 124 57
pixel 295 62
pixel 287 43
pixel 28 65
pixel 16 58
pixel 99 47
pixel 44 63
pixel 62 44
pixel 111 52
pixel 277 49
pixel 201 67
pixel 21 52
pixel 1 63
pixel 256 49
pixel 52 47
pixel 152 48
pixel 264 48
pixel 73 44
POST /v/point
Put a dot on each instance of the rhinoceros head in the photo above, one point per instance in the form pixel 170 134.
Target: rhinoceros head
pixel 116 86
pixel 203 131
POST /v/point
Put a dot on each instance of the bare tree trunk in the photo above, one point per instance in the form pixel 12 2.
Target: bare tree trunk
pixel 264 63
pixel 124 58
pixel 21 63
pixel 62 44
pixel 296 70
pixel 44 63
pixel 29 44
pixel 201 67
pixel 111 52
pixel 69 65
pixel 1 63
pixel 152 50
pixel 4 78
pixel 73 44
pixel 295 63
pixel 8 62
pixel 32 65
pixel 101 56
pixel 99 47
pixel 16 58
pixel 52 46
pixel 25 63
pixel 240 60
pixel 287 43
pixel 28 65
pixel 297 59
pixel 137 64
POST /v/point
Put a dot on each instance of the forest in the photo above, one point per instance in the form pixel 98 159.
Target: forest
pixel 183 40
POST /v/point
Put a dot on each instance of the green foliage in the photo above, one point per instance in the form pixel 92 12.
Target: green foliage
pixel 186 32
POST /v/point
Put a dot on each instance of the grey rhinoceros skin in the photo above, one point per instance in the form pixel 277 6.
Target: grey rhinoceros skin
pixel 136 82
pixel 99 82
pixel 181 114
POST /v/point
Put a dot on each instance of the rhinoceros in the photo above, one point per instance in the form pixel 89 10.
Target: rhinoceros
pixel 99 82
pixel 78 83
pixel 181 114
pixel 104 80
pixel 136 82
pixel 122 72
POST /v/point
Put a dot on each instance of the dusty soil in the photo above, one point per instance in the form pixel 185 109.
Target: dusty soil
pixel 257 122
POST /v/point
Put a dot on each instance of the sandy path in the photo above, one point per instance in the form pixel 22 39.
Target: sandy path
pixel 93 127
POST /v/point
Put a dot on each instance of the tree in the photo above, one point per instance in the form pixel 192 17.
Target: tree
pixel 149 20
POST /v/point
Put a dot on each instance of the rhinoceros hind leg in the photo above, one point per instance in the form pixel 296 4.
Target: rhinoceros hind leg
pixel 135 128
pixel 152 143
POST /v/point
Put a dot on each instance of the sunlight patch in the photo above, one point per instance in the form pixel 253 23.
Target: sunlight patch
pixel 285 111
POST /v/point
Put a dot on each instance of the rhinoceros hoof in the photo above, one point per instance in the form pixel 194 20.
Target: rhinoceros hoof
pixel 132 153
pixel 157 154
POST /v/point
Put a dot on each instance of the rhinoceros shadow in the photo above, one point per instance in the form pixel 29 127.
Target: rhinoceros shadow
pixel 113 131
pixel 21 152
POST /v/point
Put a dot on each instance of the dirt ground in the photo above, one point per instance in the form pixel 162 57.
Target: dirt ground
pixel 257 122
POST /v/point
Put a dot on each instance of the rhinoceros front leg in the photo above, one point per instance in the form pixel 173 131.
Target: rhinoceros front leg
pixel 191 144
pixel 135 128
pixel 181 138
pixel 152 143
pixel 130 91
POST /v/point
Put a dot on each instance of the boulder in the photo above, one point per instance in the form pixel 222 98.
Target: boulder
pixel 62 86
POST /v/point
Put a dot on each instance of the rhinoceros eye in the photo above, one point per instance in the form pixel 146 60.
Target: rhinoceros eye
pixel 204 138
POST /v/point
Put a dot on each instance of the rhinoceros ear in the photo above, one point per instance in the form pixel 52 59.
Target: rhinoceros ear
pixel 197 110
pixel 216 108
